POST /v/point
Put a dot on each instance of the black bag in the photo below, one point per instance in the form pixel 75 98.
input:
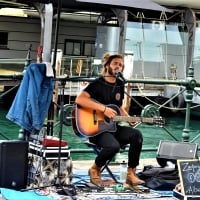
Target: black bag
pixel 158 178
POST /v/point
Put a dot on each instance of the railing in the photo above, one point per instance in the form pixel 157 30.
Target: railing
pixel 79 69
pixel 189 83
pixel 76 65
pixel 12 61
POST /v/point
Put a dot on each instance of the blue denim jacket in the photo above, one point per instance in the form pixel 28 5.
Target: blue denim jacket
pixel 31 103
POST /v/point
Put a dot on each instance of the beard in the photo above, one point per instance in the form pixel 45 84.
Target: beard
pixel 110 71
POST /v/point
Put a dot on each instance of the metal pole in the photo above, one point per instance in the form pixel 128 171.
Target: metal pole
pixel 188 98
pixel 190 20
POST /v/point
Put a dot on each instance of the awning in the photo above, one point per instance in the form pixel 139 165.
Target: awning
pixel 143 4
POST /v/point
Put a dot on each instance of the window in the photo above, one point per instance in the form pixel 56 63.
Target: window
pixel 73 47
pixel 88 48
pixel 3 40
pixel 79 48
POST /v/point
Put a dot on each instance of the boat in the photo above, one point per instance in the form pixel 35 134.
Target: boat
pixel 161 54
pixel 156 47
pixel 160 49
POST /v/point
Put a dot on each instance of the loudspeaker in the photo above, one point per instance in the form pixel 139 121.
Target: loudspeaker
pixel 13 164
pixel 172 151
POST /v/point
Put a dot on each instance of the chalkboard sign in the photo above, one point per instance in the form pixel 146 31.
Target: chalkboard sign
pixel 189 172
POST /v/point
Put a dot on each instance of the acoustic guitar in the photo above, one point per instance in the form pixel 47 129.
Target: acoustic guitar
pixel 89 122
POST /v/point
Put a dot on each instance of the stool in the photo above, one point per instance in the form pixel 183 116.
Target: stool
pixel 96 149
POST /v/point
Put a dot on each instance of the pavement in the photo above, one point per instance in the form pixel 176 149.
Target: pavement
pixel 110 192
pixel 80 169
pixel 85 164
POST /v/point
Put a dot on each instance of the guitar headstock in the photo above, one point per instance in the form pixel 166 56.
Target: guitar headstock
pixel 159 121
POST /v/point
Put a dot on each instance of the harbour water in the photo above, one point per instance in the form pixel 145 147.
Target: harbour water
pixel 152 134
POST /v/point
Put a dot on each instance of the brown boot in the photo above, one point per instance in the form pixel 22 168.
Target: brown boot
pixel 95 175
pixel 132 178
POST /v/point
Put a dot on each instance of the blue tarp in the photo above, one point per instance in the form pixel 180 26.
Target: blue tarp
pixel 10 194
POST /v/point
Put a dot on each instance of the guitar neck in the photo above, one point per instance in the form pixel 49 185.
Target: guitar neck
pixel 133 119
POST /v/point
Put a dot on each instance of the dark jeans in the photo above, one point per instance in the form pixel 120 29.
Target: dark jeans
pixel 110 144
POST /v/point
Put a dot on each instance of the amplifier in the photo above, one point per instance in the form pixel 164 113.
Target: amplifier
pixel 13 164
pixel 173 150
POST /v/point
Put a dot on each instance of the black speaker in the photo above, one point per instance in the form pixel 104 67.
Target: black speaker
pixel 13 164
pixel 173 150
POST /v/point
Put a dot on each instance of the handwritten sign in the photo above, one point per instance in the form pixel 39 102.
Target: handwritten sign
pixel 189 172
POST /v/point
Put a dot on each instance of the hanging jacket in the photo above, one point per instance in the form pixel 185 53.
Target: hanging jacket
pixel 33 98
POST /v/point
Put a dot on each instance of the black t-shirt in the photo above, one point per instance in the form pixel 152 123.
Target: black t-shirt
pixel 105 92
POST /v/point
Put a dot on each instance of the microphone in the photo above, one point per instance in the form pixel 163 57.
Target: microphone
pixel 120 76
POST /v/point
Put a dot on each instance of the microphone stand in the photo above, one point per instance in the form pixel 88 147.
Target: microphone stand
pixel 120 76
pixel 63 82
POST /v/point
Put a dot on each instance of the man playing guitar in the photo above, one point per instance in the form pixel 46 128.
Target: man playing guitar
pixel 109 89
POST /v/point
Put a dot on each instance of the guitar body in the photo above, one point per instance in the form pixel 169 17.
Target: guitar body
pixel 88 122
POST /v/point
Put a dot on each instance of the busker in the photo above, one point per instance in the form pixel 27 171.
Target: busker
pixel 107 90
